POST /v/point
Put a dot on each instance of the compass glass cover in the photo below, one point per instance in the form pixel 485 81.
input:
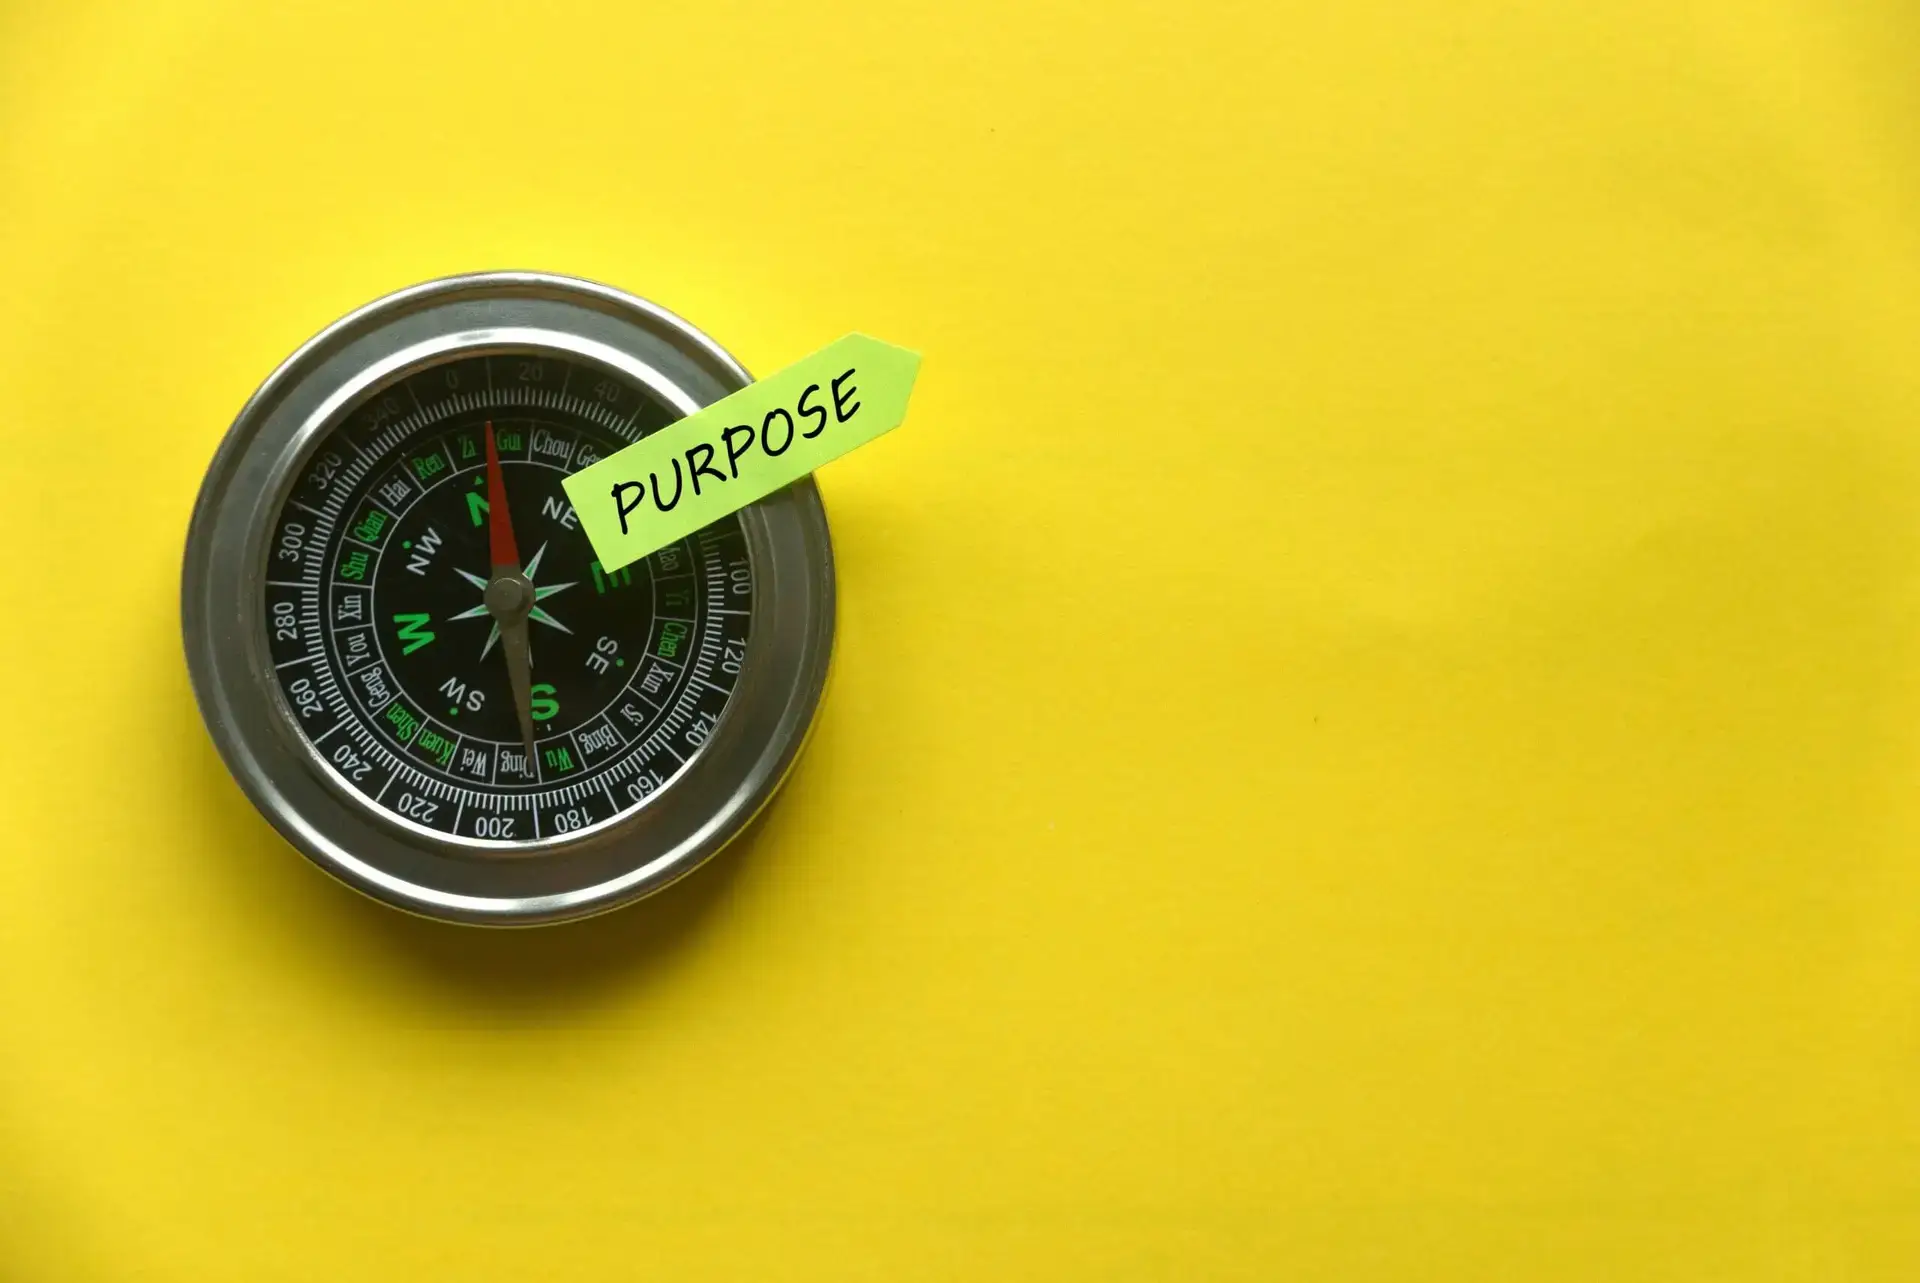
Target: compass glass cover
pixel 389 663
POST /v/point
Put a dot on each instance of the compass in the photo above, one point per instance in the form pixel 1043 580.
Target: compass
pixel 411 660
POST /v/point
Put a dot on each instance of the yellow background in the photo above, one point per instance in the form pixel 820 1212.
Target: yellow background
pixel 1377 709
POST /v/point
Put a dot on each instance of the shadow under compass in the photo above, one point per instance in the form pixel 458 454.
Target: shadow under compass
pixel 522 972
pixel 464 974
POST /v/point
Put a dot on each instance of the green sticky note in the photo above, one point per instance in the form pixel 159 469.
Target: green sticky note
pixel 741 448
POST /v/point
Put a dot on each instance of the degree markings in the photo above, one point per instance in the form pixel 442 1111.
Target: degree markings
pixel 342 493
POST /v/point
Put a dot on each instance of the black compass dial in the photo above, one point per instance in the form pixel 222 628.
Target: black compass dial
pixel 394 668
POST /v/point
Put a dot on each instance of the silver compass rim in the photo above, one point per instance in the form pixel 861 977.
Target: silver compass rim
pixel 701 809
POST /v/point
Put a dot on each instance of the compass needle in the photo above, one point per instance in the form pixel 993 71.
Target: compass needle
pixel 509 593
pixel 513 643
pixel 430 773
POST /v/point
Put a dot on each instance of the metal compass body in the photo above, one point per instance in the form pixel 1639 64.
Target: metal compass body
pixel 408 653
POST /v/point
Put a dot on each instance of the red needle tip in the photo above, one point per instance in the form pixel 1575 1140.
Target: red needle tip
pixel 499 520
